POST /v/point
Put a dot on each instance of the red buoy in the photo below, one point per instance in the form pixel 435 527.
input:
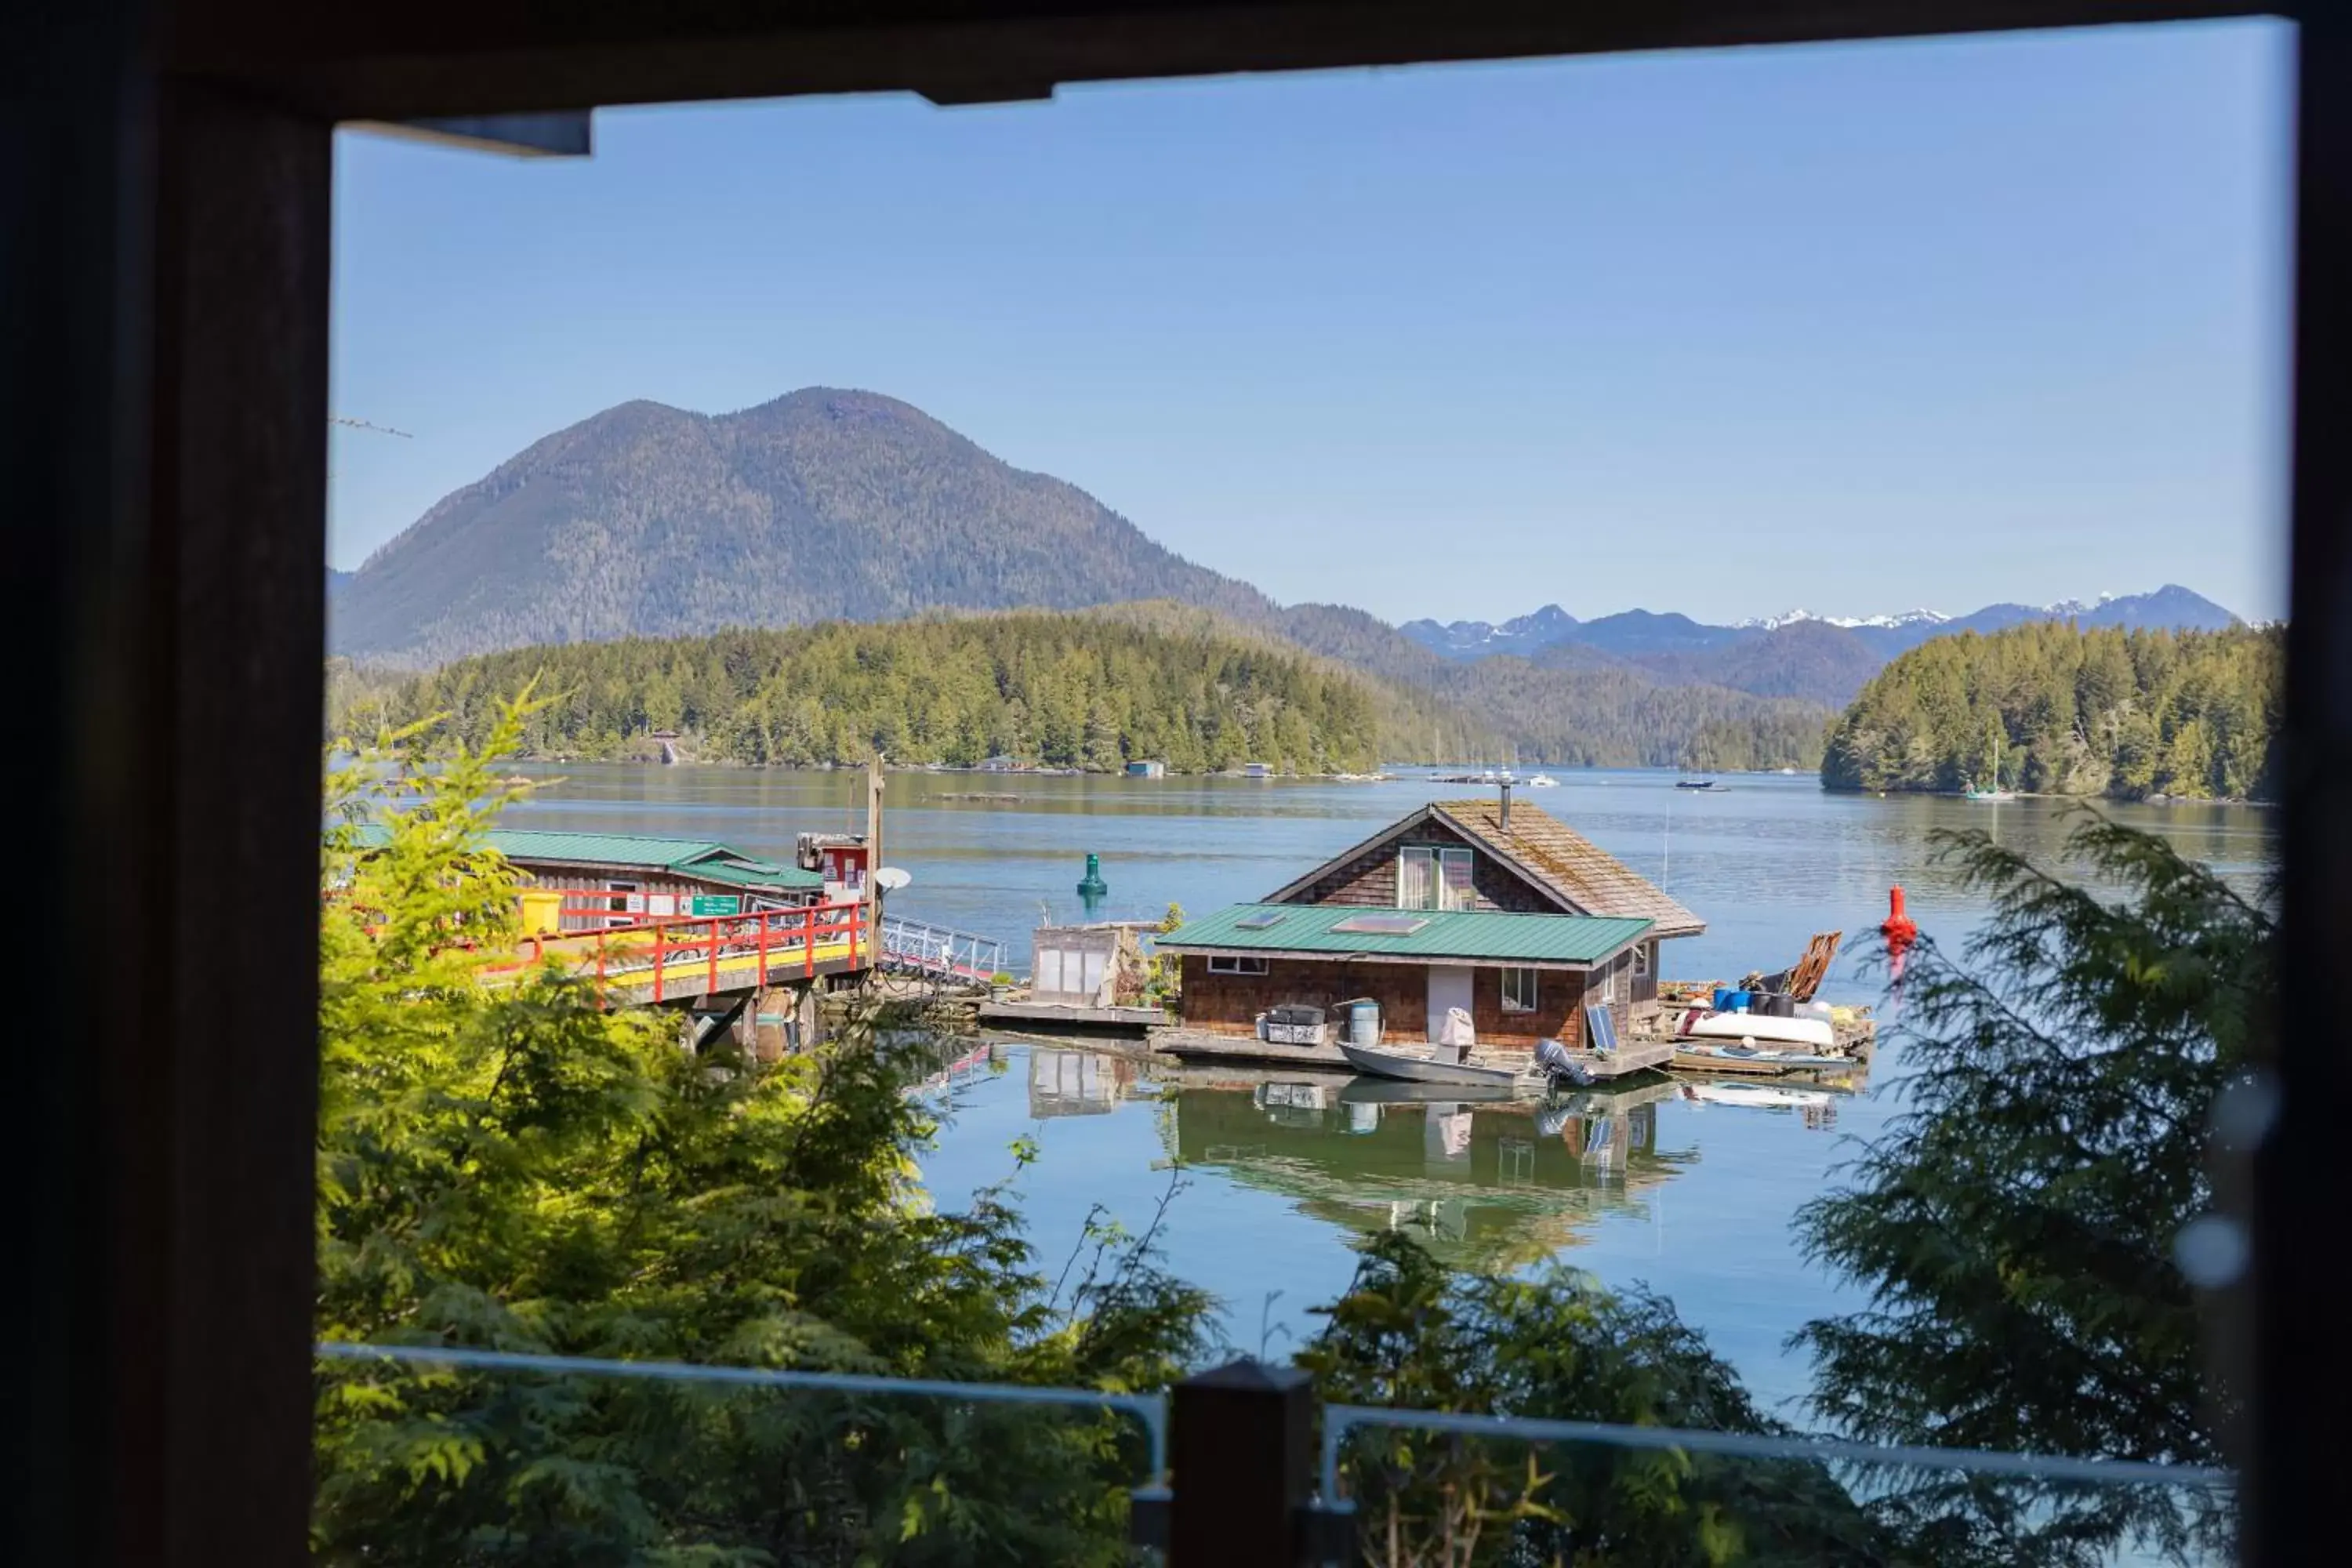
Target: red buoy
pixel 1899 929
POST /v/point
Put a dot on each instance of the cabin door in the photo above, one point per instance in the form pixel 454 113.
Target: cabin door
pixel 1449 987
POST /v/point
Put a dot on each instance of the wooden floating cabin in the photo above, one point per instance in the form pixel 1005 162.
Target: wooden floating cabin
pixel 1493 907
pixel 650 877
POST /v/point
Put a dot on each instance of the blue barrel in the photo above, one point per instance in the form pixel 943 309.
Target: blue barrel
pixel 1364 1023
pixel 1723 999
pixel 1739 1000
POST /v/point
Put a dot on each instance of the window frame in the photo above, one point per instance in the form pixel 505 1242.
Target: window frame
pixel 1642 963
pixel 1533 1002
pixel 1438 854
pixel 1238 965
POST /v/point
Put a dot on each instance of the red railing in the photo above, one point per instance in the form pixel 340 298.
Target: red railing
pixel 687 955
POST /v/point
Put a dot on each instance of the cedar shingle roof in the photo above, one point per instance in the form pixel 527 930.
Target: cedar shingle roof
pixel 1589 876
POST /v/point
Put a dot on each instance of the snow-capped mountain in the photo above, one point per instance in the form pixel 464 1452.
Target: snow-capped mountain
pixel 1907 618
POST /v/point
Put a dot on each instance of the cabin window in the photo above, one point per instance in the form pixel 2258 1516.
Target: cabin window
pixel 1604 984
pixel 1642 962
pixel 1518 990
pixel 1235 963
pixel 626 904
pixel 1431 878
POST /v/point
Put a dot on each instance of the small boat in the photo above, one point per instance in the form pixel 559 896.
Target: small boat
pixel 1758 1029
pixel 1542 781
pixel 1696 783
pixel 1765 1096
pixel 1422 1067
pixel 1700 1056
pixel 1992 792
pixel 1366 1089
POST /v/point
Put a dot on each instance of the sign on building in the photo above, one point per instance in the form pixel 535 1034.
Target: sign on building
pixel 710 905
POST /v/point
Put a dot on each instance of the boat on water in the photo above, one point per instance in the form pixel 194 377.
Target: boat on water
pixel 1708 1055
pixel 1696 783
pixel 1366 1088
pixel 1541 781
pixel 1767 1096
pixel 1992 792
pixel 1422 1066
pixel 1762 1029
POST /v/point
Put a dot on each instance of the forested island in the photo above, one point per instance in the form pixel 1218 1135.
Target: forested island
pixel 1070 691
pixel 2054 709
pixel 1091 690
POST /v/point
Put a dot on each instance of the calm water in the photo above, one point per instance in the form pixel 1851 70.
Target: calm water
pixel 1691 1196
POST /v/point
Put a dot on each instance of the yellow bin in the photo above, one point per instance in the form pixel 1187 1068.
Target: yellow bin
pixel 542 913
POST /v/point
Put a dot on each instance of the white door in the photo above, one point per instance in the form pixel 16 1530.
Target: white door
pixel 1449 987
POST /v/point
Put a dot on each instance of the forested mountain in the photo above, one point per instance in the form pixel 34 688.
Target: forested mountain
pixel 1090 690
pixel 1812 661
pixel 1064 690
pixel 2070 710
pixel 1623 717
pixel 823 504
pixel 1639 634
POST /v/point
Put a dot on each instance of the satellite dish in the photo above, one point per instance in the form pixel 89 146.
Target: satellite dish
pixel 890 879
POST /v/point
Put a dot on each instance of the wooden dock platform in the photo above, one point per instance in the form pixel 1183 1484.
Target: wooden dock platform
pixel 1054 1016
pixel 1192 1045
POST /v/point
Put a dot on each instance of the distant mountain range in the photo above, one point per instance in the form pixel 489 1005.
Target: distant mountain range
pixel 824 504
pixel 1818 659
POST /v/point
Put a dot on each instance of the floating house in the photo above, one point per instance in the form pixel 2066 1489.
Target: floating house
pixel 645 878
pixel 1502 911
pixel 1153 769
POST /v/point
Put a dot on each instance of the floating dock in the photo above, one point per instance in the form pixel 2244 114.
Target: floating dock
pixel 1068 1016
pixel 1194 1045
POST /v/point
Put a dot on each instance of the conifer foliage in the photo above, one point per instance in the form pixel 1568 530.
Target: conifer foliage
pixel 2015 1227
pixel 503 1165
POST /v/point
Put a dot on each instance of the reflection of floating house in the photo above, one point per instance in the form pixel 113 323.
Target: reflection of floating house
pixel 1077 1083
pixel 1501 910
pixel 1489 1185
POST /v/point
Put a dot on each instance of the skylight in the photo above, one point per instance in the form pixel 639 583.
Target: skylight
pixel 1382 925
pixel 1262 920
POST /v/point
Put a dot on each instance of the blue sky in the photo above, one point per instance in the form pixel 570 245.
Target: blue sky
pixel 1854 328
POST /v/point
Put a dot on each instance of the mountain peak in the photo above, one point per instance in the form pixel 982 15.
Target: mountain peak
pixel 825 503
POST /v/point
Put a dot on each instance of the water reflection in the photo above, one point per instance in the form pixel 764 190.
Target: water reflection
pixel 1490 1186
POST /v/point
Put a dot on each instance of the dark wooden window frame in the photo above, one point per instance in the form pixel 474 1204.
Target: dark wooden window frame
pixel 164 261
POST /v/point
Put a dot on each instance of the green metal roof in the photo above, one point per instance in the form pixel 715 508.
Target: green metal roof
pixel 1489 934
pixel 702 859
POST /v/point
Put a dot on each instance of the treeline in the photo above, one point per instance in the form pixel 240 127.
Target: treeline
pixel 1605 717
pixel 2062 710
pixel 1058 690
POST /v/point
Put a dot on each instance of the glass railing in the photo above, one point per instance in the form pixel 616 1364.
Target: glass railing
pixel 452 1457
pixel 442 1456
pixel 1396 1486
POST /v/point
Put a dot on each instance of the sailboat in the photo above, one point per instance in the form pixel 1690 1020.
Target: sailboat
pixel 1992 792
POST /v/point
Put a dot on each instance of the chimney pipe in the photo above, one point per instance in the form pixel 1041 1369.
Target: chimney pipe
pixel 1507 805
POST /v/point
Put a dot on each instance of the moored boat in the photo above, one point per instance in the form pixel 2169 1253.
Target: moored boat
pixel 1701 1056
pixel 1422 1067
pixel 1762 1029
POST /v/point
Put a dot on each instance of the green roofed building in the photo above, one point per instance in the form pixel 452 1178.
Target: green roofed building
pixel 1492 907
pixel 638 877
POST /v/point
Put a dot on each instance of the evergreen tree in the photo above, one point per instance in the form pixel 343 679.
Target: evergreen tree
pixel 2015 1226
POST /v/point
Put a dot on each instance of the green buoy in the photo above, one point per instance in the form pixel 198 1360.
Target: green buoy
pixel 1093 887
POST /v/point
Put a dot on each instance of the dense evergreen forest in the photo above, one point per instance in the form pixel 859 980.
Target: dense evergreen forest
pixel 1060 690
pixel 1085 689
pixel 2063 710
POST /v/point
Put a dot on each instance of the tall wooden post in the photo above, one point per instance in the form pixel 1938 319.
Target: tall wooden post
pixel 1242 1453
pixel 872 952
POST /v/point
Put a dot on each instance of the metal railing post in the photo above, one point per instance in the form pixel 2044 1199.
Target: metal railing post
pixel 713 950
pixel 1244 1463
